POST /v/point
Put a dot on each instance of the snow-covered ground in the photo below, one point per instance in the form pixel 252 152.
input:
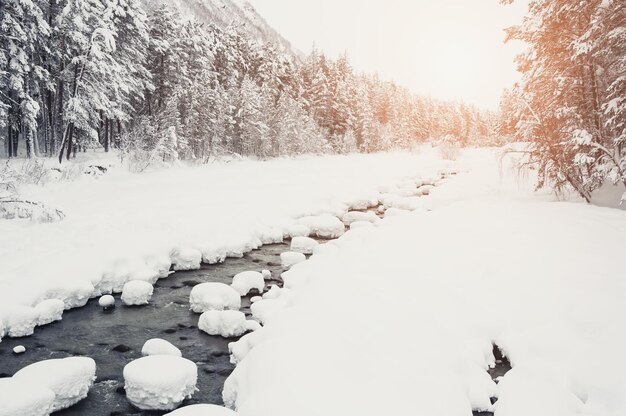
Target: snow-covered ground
pixel 121 226
pixel 402 317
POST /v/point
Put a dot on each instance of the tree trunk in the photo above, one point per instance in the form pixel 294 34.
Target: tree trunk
pixel 106 134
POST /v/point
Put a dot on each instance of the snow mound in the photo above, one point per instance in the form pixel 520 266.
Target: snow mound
pixel 245 281
pixel 324 226
pixel 69 378
pixel 227 324
pixel 304 245
pixel 289 258
pixel 214 296
pixel 21 398
pixel 21 321
pixel 360 224
pixel 266 274
pixel 159 382
pixel 49 311
pixel 158 346
pixel 354 216
pixel 137 292
pixel 202 410
pixel 106 301
pixel 186 259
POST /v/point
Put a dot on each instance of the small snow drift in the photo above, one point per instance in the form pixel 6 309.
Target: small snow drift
pixel 227 324
pixel 289 258
pixel 69 378
pixel 158 346
pixel 22 398
pixel 245 281
pixel 159 382
pixel 202 410
pixel 137 292
pixel 304 245
pixel 106 301
pixel 186 259
pixel 324 226
pixel 49 311
pixel 213 296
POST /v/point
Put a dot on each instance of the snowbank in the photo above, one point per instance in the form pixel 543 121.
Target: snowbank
pixel 290 258
pixel 159 382
pixel 68 378
pixel 173 216
pixel 202 410
pixel 158 346
pixel 214 296
pixel 421 298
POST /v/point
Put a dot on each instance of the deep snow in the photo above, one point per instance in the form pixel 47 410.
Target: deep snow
pixel 121 226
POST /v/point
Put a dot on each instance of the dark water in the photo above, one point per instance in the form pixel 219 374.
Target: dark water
pixel 114 338
pixel 500 369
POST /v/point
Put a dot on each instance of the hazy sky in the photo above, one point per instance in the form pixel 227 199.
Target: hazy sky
pixel 451 49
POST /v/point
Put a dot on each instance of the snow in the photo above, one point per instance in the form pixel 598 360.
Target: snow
pixel 19 349
pixel 186 258
pixel 69 378
pixel 159 382
pixel 354 216
pixel 106 301
pixel 360 224
pixel 162 217
pixel 304 245
pixel 289 258
pixel 202 410
pixel 21 398
pixel 226 324
pixel 244 282
pixel 137 292
pixel 422 296
pixel 158 346
pixel 49 311
pixel 324 226
pixel 214 296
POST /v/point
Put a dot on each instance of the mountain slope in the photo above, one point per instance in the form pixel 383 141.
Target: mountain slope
pixel 228 12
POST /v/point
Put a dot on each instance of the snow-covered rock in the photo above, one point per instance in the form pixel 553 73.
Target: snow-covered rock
pixel 185 258
pixel 106 301
pixel 49 311
pixel 266 274
pixel 304 245
pixel 202 410
pixel 137 292
pixel 255 299
pixel 214 296
pixel 324 226
pixel 69 378
pixel 297 230
pixel 21 321
pixel 226 324
pixel 273 293
pixel 354 216
pixel 159 382
pixel 360 224
pixel 19 349
pixel 245 281
pixel 22 398
pixel 289 258
pixel 158 346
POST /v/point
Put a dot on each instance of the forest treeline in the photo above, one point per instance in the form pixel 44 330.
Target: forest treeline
pixel 571 104
pixel 80 74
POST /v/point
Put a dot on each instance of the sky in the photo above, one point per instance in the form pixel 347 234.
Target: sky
pixel 449 49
